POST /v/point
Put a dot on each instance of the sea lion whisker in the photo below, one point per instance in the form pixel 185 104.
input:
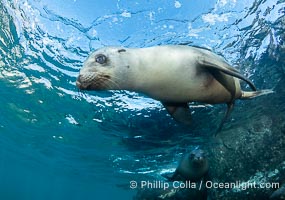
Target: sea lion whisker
pixel 111 77
pixel 108 77
pixel 116 79
pixel 107 84
pixel 113 82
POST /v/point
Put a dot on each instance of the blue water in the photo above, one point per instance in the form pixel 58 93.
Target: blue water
pixel 57 143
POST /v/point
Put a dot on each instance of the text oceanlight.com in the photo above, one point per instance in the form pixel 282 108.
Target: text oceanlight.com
pixel 241 185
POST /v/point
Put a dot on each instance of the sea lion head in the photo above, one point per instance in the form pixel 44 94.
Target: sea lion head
pixel 197 158
pixel 102 69
pixel 193 166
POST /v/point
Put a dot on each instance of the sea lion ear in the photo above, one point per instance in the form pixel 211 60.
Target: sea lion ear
pixel 121 50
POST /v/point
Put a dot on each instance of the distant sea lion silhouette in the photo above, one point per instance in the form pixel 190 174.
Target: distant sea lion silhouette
pixel 174 75
pixel 192 167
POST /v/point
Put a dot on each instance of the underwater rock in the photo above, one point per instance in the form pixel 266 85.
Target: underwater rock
pixel 171 193
pixel 279 193
pixel 251 154
pixel 283 128
pixel 249 161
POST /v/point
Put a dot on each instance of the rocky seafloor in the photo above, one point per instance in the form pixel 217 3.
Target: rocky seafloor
pixel 251 154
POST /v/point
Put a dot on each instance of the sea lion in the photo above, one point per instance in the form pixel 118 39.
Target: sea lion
pixel 173 74
pixel 192 167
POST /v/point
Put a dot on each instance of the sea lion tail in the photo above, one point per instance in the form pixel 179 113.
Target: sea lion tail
pixel 253 94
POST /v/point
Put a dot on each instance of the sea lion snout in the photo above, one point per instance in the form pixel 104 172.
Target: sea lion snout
pixel 198 159
pixel 87 81
pixel 84 81
pixel 93 81
pixel 198 162
pixel 79 82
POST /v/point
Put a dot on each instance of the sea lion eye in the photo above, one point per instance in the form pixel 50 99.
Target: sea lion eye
pixel 101 59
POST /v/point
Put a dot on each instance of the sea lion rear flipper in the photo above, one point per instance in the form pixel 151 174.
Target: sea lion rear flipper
pixel 179 111
pixel 228 112
pixel 225 68
pixel 253 94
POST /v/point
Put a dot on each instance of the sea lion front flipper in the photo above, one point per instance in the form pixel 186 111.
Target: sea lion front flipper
pixel 228 112
pixel 225 68
pixel 179 111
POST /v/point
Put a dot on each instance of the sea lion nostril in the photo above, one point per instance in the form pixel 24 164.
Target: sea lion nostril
pixel 78 84
pixel 79 77
pixel 79 81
